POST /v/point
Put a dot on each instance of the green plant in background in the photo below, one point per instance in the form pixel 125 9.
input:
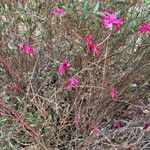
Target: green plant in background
pixel 68 8
pixel 147 1
pixel 96 8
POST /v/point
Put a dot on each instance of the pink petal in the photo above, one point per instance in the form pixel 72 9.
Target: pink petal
pixel 109 19
pixel 88 38
pixel 145 27
pixel 58 10
pixel 93 47
pixel 113 93
pixel 95 50
pixel 90 45
pixel 61 69
pixel 26 48
pixel 107 23
pixel 20 45
pixel 118 23
pixel 71 82
pixel 64 66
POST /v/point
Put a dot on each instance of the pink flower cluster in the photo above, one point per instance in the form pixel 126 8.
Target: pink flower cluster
pixel 71 82
pixel 62 68
pixel 58 10
pixel 95 49
pixel 109 19
pixel 25 48
pixel 145 27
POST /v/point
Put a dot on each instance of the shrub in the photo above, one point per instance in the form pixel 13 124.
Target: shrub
pixel 74 74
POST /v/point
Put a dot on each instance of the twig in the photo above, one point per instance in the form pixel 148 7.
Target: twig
pixel 18 118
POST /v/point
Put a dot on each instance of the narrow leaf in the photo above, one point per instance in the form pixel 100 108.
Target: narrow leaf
pixel 96 8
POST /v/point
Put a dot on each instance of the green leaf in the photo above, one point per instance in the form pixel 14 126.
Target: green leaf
pixel 80 1
pixel 119 1
pixel 85 5
pixel 31 4
pixel 6 97
pixel 147 1
pixel 118 12
pixel 99 13
pixel 68 8
pixel 1 72
pixel 21 18
pixel 96 7
pixel 6 8
pixel 2 122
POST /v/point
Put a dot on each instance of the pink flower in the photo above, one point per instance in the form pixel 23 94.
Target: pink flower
pixel 20 45
pixel 89 42
pixel 145 27
pixel 71 82
pixel 113 93
pixel 88 38
pixel 95 131
pixel 58 10
pixel 26 48
pixel 109 19
pixel 93 47
pixel 64 66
